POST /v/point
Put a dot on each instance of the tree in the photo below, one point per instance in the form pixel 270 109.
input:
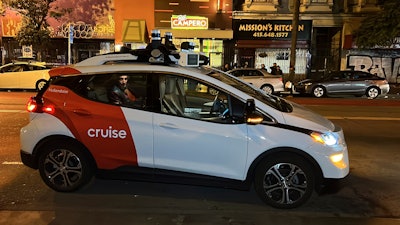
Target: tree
pixel 381 29
pixel 35 29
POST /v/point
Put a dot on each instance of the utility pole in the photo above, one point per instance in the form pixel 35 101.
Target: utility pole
pixel 295 28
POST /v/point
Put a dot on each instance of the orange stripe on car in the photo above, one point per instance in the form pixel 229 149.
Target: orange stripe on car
pixel 63 70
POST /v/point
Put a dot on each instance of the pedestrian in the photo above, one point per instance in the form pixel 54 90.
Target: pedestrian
pixel 278 71
pixel 226 67
pixel 263 68
pixel 273 69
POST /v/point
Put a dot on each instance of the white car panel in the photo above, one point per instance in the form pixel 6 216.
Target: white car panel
pixel 199 146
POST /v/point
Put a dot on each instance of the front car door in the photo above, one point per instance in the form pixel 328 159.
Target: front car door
pixel 198 130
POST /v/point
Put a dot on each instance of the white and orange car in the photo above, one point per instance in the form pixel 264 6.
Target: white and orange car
pixel 233 136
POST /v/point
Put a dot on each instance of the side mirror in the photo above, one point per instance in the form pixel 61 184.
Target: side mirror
pixel 250 113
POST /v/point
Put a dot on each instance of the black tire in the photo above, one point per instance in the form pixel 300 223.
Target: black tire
pixel 267 88
pixel 40 84
pixel 65 167
pixel 284 180
pixel 318 91
pixel 373 92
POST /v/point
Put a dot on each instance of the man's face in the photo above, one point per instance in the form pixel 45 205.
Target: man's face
pixel 123 80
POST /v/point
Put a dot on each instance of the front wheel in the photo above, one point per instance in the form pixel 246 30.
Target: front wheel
pixel 65 167
pixel 319 91
pixel 372 92
pixel 284 181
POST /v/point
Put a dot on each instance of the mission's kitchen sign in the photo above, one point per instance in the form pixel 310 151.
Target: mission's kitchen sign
pixel 270 29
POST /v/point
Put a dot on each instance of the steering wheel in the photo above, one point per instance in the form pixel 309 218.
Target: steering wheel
pixel 219 106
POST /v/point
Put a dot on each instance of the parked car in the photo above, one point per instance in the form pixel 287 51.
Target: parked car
pixel 346 82
pixel 260 79
pixel 169 130
pixel 23 75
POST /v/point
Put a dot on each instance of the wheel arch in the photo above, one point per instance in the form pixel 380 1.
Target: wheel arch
pixel 373 86
pixel 41 145
pixel 268 85
pixel 287 150
pixel 319 85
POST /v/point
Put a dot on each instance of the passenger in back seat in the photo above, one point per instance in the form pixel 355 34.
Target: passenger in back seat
pixel 121 93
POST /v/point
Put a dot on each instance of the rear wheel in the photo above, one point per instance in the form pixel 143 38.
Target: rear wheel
pixel 373 92
pixel 40 84
pixel 65 167
pixel 267 88
pixel 319 92
pixel 284 181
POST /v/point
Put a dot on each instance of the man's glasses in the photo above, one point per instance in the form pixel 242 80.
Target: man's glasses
pixel 123 78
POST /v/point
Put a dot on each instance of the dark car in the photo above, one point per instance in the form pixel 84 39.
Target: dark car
pixel 345 82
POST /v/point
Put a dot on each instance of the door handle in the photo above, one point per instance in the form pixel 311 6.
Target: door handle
pixel 168 125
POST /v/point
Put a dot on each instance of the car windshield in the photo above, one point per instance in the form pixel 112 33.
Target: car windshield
pixel 271 100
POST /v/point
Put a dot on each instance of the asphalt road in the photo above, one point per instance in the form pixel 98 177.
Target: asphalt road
pixel 369 195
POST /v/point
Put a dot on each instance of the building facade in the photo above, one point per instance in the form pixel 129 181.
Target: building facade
pixel 88 27
pixel 262 36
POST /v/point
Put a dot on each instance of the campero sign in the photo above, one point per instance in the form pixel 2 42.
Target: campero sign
pixel 270 29
pixel 189 22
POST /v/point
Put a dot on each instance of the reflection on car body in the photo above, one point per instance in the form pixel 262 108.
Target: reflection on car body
pixel 23 75
pixel 346 82
pixel 260 79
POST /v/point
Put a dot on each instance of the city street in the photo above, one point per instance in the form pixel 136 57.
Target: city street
pixel 369 195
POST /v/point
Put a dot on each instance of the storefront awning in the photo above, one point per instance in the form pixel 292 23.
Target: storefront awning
pixel 207 34
pixel 134 31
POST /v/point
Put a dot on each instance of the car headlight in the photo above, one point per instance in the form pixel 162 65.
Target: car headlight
pixel 325 138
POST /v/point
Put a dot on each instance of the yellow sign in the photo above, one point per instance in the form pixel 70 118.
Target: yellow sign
pixel 189 22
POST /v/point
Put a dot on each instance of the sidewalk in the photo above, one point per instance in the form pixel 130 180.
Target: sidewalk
pixel 394 89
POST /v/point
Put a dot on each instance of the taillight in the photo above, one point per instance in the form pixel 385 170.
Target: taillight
pixel 38 107
pixel 32 105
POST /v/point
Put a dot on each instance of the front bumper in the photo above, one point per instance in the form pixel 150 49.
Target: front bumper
pixel 28 160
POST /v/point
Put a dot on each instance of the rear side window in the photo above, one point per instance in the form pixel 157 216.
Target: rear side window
pixel 133 90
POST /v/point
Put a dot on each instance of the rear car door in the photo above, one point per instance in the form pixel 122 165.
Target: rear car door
pixel 339 83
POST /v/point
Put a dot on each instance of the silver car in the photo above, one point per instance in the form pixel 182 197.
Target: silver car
pixel 260 79
pixel 345 82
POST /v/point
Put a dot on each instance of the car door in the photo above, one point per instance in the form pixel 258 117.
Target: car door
pixel 359 82
pixel 10 76
pixel 253 77
pixel 199 132
pixel 339 83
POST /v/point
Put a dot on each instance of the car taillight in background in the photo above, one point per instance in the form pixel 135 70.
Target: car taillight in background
pixel 36 106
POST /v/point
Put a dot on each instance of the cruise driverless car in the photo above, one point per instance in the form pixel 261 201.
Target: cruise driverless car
pixel 345 82
pixel 234 136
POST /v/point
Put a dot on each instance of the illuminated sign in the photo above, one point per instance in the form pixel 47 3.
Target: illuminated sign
pixel 270 29
pixel 189 22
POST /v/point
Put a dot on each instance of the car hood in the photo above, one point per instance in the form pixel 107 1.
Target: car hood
pixel 304 117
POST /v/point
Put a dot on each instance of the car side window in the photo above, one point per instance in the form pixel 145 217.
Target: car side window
pixel 127 90
pixel 256 73
pixel 184 97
